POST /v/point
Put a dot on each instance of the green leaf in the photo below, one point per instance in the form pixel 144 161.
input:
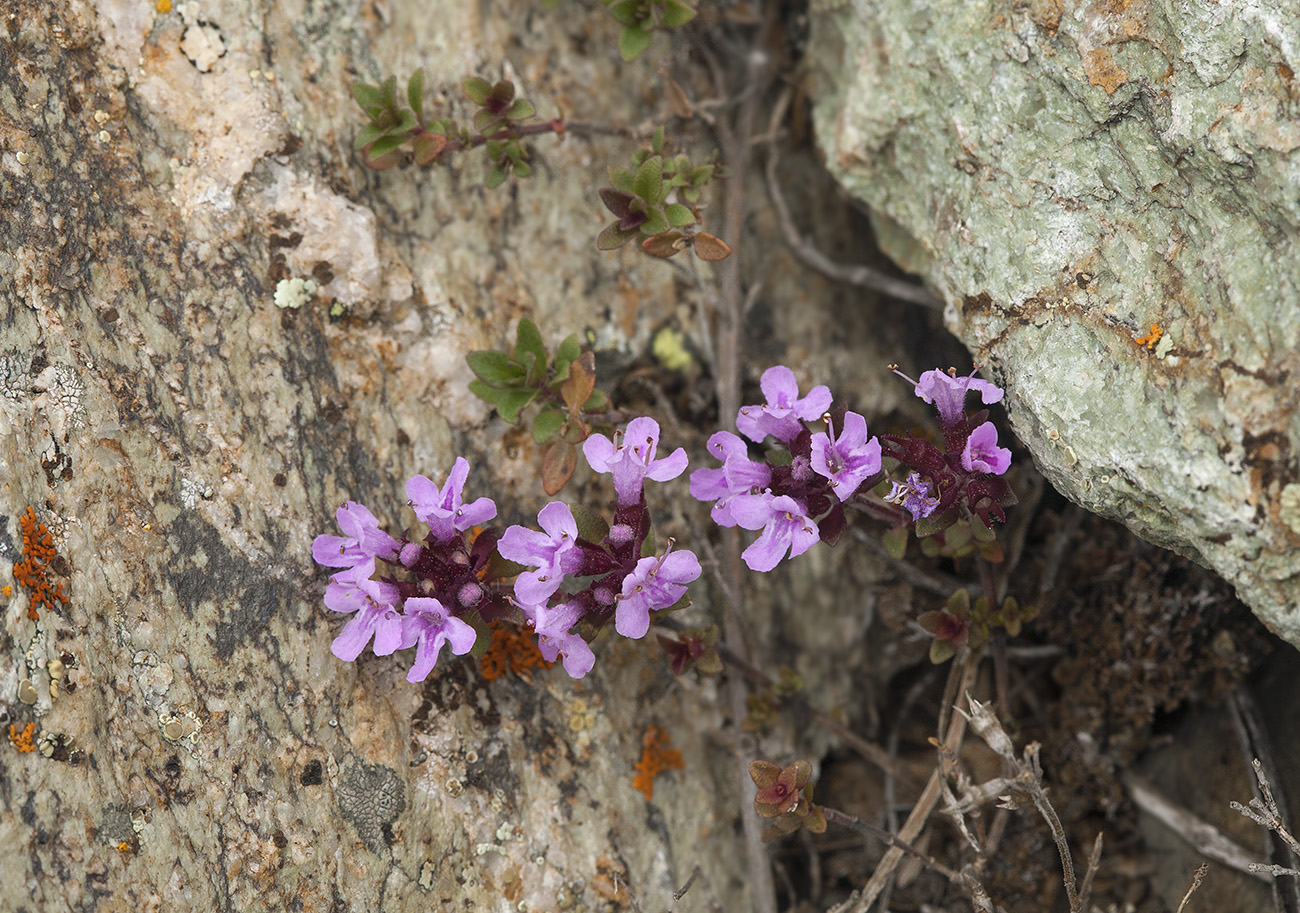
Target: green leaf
pixel 495 178
pixel 702 175
pixel 368 135
pixel 941 651
pixel 625 11
pixel 590 526
pixel 387 144
pixel 599 402
pixel 496 369
pixel 547 424
pixel 367 96
pixel 522 170
pixel 657 141
pixel 649 181
pixel 528 340
pixel 621 179
pixel 509 403
pixel 676 14
pixel 476 89
pixel 613 237
pixel 679 215
pixel 895 542
pixel 565 355
pixel 521 109
pixel 406 121
pixel 656 223
pixel 415 91
pixel 388 92
pixel 632 41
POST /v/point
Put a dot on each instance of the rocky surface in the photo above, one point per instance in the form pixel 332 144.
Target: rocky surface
pixel 1104 194
pixel 183 440
pixel 194 744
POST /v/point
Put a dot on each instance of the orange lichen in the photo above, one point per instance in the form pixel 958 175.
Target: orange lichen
pixel 511 650
pixel 7 590
pixel 164 6
pixel 38 552
pixel 1151 338
pixel 657 755
pixel 22 740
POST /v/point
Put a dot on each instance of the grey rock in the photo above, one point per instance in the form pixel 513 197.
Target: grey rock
pixel 1072 177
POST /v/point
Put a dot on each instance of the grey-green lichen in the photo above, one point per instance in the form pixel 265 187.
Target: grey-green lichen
pixel 1069 175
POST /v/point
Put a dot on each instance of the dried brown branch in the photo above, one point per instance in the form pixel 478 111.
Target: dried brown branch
pixel 963 673
pixel 1196 883
pixel 1265 812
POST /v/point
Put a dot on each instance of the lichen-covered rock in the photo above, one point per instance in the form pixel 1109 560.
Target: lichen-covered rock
pixel 1105 193
pixel 182 736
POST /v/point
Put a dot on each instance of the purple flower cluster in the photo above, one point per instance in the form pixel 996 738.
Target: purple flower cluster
pixel 430 586
pixel 611 580
pixel 569 582
pixel 399 612
pixel 796 495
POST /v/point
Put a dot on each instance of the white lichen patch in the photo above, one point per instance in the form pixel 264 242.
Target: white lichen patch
pixel 294 293
pixel 1289 506
pixel 203 45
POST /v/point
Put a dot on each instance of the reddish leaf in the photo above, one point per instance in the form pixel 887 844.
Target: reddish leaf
pixel 576 390
pixel 428 146
pixel 708 247
pixel 665 245
pixel 557 466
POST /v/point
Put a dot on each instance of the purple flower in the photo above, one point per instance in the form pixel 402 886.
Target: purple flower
pixel 948 393
pixel 785 524
pixel 632 461
pixel 655 583
pixel 442 508
pixel 914 495
pixel 428 625
pixel 553 552
pixel 982 453
pixel 374 603
pixel 847 460
pixel 553 638
pixel 362 538
pixel 738 475
pixel 780 416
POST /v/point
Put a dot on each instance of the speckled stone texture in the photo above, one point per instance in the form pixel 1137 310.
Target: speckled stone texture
pixel 1071 177
pixel 183 439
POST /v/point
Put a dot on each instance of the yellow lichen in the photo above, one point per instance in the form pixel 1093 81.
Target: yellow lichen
pixel 511 650
pixel 657 755
pixel 1151 338
pixel 22 740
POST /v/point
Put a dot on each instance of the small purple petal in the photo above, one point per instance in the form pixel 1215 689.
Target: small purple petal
pixel 429 626
pixel 948 393
pixel 847 460
pixel 780 416
pixel 553 553
pixel 982 453
pixel 788 528
pixel 443 509
pixel 655 583
pixel 632 461
pixel 554 640
pixel 362 538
